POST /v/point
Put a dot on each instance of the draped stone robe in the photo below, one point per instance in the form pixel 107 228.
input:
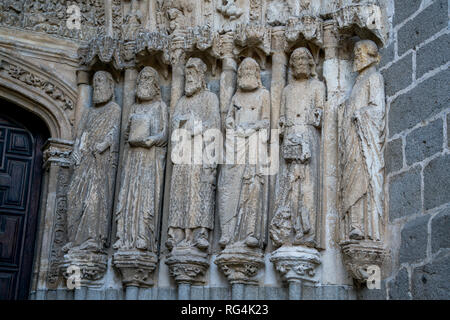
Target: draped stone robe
pixel 361 139
pixel 192 191
pixel 243 186
pixel 139 200
pixel 90 193
pixel 301 107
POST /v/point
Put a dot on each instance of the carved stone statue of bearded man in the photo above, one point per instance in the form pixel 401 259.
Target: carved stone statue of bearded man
pixel 140 193
pixel 95 155
pixel 297 207
pixel 192 191
pixel 361 141
pixel 243 185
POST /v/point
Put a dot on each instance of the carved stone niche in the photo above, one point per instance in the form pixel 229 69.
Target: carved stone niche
pixel 361 255
pixel 240 264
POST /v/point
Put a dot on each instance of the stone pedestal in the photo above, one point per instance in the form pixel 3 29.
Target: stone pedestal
pixel 188 265
pixel 296 263
pixel 240 263
pixel 136 267
pixel 361 255
pixel 92 267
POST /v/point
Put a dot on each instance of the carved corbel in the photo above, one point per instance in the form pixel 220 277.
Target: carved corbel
pixel 240 264
pixel 363 258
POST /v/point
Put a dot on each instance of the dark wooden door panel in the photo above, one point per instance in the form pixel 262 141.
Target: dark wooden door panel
pixel 20 176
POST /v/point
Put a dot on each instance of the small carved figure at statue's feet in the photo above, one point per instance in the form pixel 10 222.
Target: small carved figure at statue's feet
pixel 223 241
pixel 251 242
pixel 356 234
pixel 141 244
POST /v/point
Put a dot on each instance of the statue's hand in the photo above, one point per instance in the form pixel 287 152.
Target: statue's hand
pixel 229 123
pixel 100 147
pixel 317 117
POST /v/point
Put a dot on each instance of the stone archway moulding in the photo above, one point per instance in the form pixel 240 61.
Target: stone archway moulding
pixel 40 92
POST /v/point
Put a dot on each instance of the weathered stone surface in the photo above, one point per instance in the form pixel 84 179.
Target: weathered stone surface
pixel 296 217
pixel 432 281
pixel 405 194
pixel 424 142
pixel 440 226
pixel 414 240
pixel 394 155
pixel 425 100
pixel 431 20
pixel 433 55
pixel 399 286
pixel 361 137
pixel 436 177
pixel 405 8
pixel 399 75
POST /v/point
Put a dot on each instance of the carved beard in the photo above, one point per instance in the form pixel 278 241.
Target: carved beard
pixel 192 87
pixel 101 94
pixel 301 72
pixel 248 82
pixel 146 92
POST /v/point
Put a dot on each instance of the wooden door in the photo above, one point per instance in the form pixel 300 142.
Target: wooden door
pixel 20 181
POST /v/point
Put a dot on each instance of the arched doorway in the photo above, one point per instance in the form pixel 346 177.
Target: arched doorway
pixel 22 136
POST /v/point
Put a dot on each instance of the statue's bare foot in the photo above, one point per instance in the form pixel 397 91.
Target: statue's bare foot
pixel 90 245
pixel 170 243
pixel 67 247
pixel 223 241
pixel 202 244
pixel 141 244
pixel 118 244
pixel 356 234
pixel 251 242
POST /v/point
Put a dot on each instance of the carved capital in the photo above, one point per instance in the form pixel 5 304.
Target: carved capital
pixel 58 152
pixel 92 266
pixel 279 43
pixel 188 265
pixel 136 267
pixel 331 39
pixel 296 263
pixel 240 264
pixel 359 255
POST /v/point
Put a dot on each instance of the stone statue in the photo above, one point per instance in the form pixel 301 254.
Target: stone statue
pixel 361 140
pixel 95 155
pixel 191 213
pixel 140 197
pixel 243 187
pixel 139 200
pixel 297 206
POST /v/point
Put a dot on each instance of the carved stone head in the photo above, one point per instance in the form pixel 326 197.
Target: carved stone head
pixel 148 84
pixel 249 75
pixel 302 64
pixel 195 76
pixel 103 84
pixel 366 55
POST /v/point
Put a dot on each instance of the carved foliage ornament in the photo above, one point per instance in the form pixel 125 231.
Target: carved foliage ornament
pixel 49 88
